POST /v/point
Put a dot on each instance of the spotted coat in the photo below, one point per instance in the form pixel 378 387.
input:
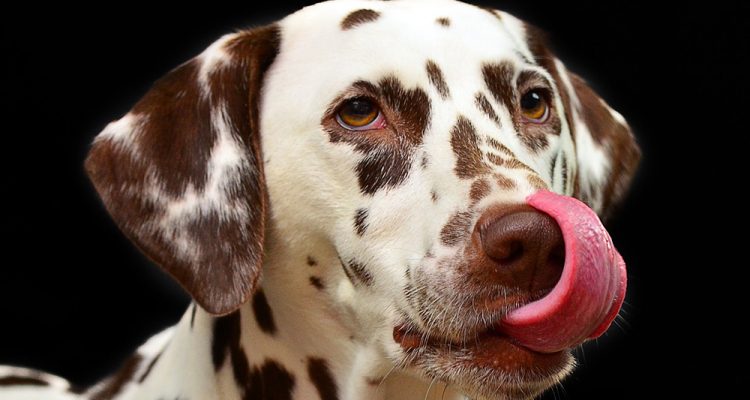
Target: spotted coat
pixel 235 166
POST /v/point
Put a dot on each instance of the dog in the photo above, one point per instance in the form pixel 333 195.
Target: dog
pixel 419 184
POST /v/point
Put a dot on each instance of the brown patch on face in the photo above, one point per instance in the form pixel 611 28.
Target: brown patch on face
pixel 170 148
pixel 499 78
pixel 504 182
pixel 484 106
pixel 513 163
pixel 443 21
pixel 465 144
pixel 434 196
pixel 321 377
pixel 425 161
pixel 317 283
pixel 536 182
pixel 436 79
pixel 114 385
pixel 456 229
pixel 499 146
pixel 387 153
pixel 360 221
pixel 311 261
pixel 479 190
pixel 263 313
pixel 359 17
pixel 495 159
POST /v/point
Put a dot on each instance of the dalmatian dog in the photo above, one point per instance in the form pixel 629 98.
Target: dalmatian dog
pixel 366 200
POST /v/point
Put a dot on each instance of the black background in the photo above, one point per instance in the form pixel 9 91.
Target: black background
pixel 76 297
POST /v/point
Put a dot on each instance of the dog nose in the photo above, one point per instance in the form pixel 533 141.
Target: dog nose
pixel 523 247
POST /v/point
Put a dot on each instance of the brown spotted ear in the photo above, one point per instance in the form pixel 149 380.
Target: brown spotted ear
pixel 606 152
pixel 182 172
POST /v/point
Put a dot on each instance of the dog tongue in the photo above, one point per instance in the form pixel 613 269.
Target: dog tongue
pixel 591 288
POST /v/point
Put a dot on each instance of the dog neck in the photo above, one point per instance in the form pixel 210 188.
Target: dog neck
pixel 290 341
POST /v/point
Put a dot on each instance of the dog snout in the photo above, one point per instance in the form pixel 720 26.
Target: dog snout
pixel 521 248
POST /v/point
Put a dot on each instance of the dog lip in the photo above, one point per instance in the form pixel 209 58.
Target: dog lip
pixel 490 349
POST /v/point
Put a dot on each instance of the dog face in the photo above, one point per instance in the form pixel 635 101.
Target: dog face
pixel 398 139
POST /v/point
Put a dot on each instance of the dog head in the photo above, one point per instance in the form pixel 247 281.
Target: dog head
pixel 418 145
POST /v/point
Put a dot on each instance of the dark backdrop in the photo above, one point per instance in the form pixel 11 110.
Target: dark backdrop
pixel 76 297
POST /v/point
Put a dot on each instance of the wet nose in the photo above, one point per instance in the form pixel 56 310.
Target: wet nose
pixel 524 248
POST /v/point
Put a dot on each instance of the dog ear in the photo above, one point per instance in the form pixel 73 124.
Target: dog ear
pixel 182 173
pixel 607 154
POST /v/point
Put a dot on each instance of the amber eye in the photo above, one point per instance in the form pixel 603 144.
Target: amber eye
pixel 359 114
pixel 534 106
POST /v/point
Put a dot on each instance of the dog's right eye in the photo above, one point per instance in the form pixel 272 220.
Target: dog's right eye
pixel 360 114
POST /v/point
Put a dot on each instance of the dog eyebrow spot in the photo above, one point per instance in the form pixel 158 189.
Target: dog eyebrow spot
pixel 360 221
pixel 444 21
pixel 263 314
pixel 484 106
pixel 465 144
pixel 359 17
pixel 436 79
pixel 499 80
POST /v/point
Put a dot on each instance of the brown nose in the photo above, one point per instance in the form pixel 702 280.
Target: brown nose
pixel 524 248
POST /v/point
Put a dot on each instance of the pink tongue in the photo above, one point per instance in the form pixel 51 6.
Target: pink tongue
pixel 591 289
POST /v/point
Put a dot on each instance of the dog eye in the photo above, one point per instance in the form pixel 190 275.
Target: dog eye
pixel 360 114
pixel 534 106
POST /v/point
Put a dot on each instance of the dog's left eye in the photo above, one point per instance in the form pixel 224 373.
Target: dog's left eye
pixel 360 114
pixel 534 106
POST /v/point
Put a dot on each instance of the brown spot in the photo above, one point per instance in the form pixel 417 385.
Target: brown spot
pixel 263 313
pixel 464 141
pixel 514 163
pixel 359 17
pixel 322 379
pixel 311 261
pixel 374 381
pixel 148 369
pixel 434 196
pixel 536 182
pixel 114 385
pixel 269 381
pixel 169 148
pixel 484 106
pixel 22 381
pixel 564 173
pixel 443 21
pixel 492 11
pixel 360 272
pixel 317 283
pixel 495 159
pixel 479 190
pixel 504 182
pixel 436 79
pixel 425 161
pixel 499 78
pixel 360 221
pixel 456 229
pixel 499 146
pixel 226 335
pixel 387 154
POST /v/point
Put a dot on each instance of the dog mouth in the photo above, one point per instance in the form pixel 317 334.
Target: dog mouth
pixel 490 364
pixel 526 349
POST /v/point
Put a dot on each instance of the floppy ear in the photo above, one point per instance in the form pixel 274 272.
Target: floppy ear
pixel 607 154
pixel 182 172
